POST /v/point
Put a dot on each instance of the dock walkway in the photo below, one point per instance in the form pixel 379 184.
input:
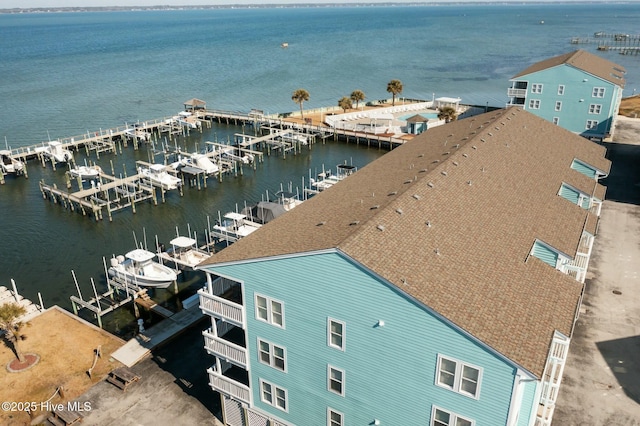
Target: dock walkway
pixel 140 346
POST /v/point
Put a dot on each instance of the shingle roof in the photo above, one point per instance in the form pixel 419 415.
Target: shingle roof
pixel 450 219
pixel 584 61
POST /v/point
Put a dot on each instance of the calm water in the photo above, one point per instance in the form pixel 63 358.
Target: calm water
pixel 68 73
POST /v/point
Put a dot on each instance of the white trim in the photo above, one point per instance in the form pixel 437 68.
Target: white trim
pixel 331 410
pixel 271 353
pixel 269 301
pixel 342 335
pixel 452 419
pixel 561 89
pixel 274 398
pixel 598 92
pixel 458 376
pixel 341 381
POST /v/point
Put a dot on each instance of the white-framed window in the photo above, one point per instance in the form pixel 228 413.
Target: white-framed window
pixel 558 105
pixel 272 355
pixel 561 89
pixel 270 310
pixel 336 333
pixel 335 380
pixel 273 395
pixel 592 124
pixel 534 104
pixel 459 376
pixel 556 120
pixel 595 108
pixel 598 92
pixel 334 418
pixel 536 88
pixel 440 417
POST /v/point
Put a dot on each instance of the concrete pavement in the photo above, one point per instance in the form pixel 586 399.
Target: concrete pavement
pixel 601 383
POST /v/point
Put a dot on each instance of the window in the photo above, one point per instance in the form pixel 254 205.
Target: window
pixel 595 108
pixel 269 310
pixel 598 92
pixel 534 104
pixel 556 120
pixel 273 395
pixel 458 376
pixel 272 355
pixel 334 418
pixel 335 331
pixel 561 89
pixel 592 124
pixel 536 88
pixel 440 417
pixel 336 380
pixel 558 105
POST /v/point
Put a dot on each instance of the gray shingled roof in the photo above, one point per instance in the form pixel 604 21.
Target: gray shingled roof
pixel 584 61
pixel 487 186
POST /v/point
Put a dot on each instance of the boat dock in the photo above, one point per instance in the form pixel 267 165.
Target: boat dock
pixel 625 44
pixel 109 193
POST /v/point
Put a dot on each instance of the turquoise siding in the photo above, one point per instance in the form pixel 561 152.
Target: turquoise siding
pixel 576 99
pixel 544 253
pixel 573 195
pixel 389 371
pixel 569 193
pixel 528 403
pixel 583 168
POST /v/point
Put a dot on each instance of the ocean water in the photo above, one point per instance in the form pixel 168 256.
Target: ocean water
pixel 63 74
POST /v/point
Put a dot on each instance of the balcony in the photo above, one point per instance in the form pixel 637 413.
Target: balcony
pixel 223 348
pixel 222 308
pixel 230 384
pixel 517 93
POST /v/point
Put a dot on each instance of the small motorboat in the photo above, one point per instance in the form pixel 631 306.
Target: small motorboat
pixel 184 253
pixel 158 176
pixel 138 267
pixel 85 172
pixel 55 151
pixel 10 165
pixel 233 227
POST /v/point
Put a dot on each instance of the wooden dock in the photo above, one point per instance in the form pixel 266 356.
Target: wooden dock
pixel 108 193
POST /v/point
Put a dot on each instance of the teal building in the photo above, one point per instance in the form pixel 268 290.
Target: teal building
pixel 438 285
pixel 578 91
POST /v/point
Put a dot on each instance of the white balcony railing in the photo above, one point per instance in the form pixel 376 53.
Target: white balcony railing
pixel 517 93
pixel 229 387
pixel 221 308
pixel 224 349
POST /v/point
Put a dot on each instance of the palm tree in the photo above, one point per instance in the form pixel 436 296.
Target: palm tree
pixel 299 97
pixel 447 114
pixel 345 103
pixel 357 96
pixel 9 314
pixel 394 87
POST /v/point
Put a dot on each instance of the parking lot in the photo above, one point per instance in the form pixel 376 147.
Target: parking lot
pixel 601 383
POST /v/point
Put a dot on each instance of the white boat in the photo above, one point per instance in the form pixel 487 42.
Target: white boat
pixel 184 253
pixel 187 119
pixel 55 151
pixel 327 179
pixel 138 134
pixel 138 267
pixel 85 172
pixel 294 138
pixel 243 157
pixel 234 226
pixel 10 165
pixel 288 200
pixel 197 161
pixel 158 176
